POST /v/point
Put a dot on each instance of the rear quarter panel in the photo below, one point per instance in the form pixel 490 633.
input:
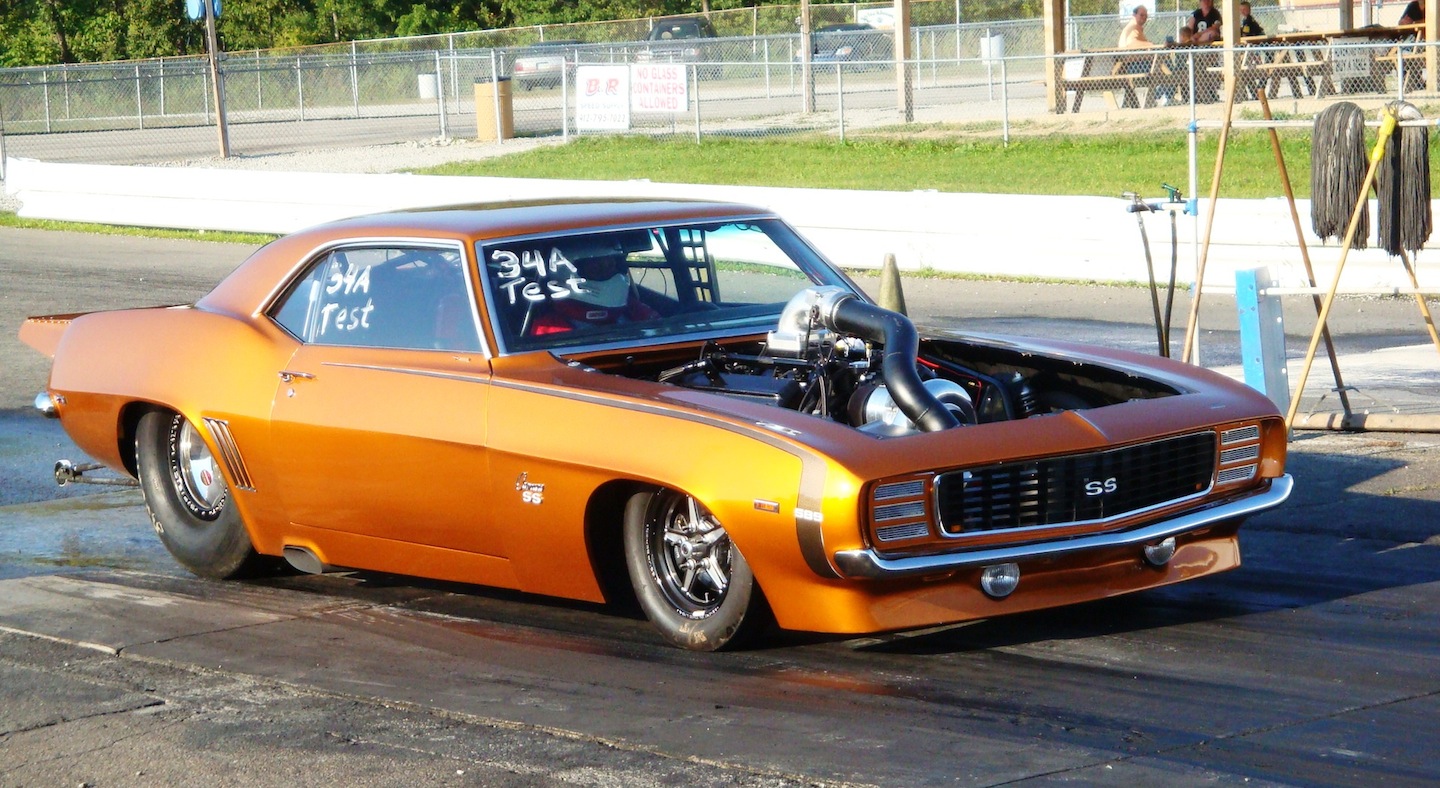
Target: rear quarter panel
pixel 195 362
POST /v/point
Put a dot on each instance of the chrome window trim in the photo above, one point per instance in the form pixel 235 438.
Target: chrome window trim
pixel 426 373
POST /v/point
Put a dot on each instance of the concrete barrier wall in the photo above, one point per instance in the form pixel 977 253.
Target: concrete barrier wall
pixel 1080 238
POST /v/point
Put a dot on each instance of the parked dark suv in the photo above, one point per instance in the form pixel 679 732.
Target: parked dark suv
pixel 857 46
pixel 678 39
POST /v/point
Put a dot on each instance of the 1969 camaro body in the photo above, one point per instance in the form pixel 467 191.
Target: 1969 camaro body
pixel 679 400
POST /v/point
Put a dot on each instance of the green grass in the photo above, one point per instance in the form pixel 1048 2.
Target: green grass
pixel 948 159
pixel 1100 165
pixel 217 236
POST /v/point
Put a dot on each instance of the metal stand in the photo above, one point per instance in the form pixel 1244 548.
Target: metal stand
pixel 1138 206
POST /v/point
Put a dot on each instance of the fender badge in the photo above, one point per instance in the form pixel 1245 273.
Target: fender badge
pixel 767 506
pixel 530 492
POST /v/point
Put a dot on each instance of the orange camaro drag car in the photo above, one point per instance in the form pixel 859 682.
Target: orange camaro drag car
pixel 680 400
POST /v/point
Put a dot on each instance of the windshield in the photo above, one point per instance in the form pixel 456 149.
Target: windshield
pixel 646 284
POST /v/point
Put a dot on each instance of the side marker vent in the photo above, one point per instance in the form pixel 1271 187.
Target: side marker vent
pixel 230 453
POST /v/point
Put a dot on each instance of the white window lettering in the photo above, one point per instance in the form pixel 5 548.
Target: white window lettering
pixel 557 259
pixel 509 265
pixel 359 317
pixel 335 277
pixel 355 279
pixel 532 292
pixel 534 261
pixel 510 288
pixel 325 313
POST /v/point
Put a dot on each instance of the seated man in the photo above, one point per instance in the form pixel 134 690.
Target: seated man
pixel 1132 35
pixel 601 295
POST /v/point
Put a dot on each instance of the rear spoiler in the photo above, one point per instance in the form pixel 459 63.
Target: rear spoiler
pixel 43 333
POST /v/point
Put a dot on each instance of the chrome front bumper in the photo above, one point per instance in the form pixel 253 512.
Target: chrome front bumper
pixel 46 405
pixel 872 565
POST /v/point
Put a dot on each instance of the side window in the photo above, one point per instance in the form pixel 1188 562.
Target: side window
pixel 390 297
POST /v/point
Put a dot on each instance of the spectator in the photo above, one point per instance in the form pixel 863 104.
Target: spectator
pixel 1132 36
pixel 1248 25
pixel 1205 23
pixel 1414 13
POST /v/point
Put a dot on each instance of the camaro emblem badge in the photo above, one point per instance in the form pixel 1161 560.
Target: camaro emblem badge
pixel 1105 487
pixel 530 492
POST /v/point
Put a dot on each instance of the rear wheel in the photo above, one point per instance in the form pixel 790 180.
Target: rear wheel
pixel 691 581
pixel 188 500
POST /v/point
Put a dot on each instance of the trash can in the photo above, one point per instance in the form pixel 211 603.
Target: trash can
pixel 486 104
pixel 428 88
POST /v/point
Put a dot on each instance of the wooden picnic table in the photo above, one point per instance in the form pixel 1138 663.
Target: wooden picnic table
pixel 1305 61
pixel 1121 74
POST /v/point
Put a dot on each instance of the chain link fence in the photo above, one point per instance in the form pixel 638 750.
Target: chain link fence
pixel 989 74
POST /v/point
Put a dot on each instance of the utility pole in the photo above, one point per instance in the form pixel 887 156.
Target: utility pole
pixel 807 75
pixel 212 43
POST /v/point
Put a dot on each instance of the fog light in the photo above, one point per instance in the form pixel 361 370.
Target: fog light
pixel 1160 554
pixel 999 581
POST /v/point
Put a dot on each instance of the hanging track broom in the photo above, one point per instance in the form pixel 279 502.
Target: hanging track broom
pixel 1337 173
pixel 1402 185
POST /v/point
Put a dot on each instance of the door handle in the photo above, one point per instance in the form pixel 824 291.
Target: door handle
pixel 288 376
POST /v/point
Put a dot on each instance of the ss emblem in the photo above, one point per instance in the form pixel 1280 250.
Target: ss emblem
pixel 1093 489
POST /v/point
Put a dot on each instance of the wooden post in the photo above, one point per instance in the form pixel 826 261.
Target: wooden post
pixel 1230 36
pixel 1431 60
pixel 904 89
pixel 1054 45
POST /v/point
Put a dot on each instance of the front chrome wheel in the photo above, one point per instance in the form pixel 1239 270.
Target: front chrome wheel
pixel 689 554
pixel 690 579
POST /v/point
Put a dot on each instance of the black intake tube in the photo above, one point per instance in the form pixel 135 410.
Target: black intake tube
pixel 902 346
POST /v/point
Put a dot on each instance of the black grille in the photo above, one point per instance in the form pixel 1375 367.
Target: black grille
pixel 1077 488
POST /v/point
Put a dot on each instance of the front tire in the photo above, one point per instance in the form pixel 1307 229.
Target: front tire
pixel 188 500
pixel 691 581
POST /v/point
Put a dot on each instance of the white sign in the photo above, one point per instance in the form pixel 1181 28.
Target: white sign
pixel 659 87
pixel 602 98
pixel 880 18
pixel 1349 62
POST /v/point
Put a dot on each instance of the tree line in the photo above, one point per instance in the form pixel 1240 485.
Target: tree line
pixel 44 32
pixel 36 32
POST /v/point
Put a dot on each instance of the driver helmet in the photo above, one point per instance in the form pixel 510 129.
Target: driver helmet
pixel 606 280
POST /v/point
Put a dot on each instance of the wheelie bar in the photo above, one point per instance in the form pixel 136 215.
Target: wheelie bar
pixel 67 472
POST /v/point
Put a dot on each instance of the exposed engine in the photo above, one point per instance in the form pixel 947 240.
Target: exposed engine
pixel 835 356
